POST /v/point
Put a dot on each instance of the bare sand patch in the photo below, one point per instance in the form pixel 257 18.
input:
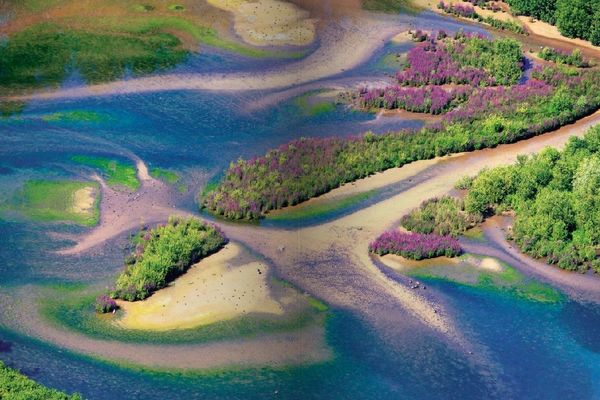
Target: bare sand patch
pixel 223 286
pixel 544 29
pixel 83 200
pixel 269 22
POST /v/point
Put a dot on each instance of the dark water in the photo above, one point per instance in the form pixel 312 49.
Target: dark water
pixel 532 350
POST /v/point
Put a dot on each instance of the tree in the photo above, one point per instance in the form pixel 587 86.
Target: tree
pixel 574 17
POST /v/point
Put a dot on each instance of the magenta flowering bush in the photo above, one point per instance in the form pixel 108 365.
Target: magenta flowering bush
pixel 462 10
pixel 416 246
pixel 105 304
pixel 427 99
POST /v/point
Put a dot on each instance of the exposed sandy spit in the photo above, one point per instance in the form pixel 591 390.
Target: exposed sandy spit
pixel 223 286
pixel 306 345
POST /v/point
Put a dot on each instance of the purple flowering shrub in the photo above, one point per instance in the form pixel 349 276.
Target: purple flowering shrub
pixel 416 246
pixel 105 304
pixel 306 168
pixel 427 99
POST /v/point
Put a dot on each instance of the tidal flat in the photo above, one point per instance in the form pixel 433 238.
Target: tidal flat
pixel 101 148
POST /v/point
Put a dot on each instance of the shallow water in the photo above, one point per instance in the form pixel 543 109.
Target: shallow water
pixel 532 350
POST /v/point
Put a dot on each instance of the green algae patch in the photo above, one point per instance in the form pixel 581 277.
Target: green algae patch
pixel 117 173
pixel 314 103
pixel 485 273
pixel 72 307
pixel 165 175
pixel 319 208
pixel 76 116
pixel 59 201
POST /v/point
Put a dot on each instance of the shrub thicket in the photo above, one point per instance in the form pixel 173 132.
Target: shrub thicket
pixel 556 199
pixel 165 252
pixel 443 216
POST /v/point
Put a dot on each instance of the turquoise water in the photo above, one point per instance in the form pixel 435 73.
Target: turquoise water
pixel 529 350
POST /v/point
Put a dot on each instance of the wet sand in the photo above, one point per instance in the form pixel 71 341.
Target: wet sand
pixel 306 345
pixel 223 286
pixel 579 286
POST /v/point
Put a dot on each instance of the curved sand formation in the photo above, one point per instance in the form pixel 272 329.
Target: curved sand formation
pixel 344 45
pixel 580 286
pixel 306 345
pixel 228 284
pixel 269 22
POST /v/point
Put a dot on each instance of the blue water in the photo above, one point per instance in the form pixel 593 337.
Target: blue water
pixel 531 350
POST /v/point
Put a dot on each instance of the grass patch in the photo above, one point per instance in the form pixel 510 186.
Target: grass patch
pixel 320 208
pixel 43 200
pixel 176 7
pixel 165 175
pixel 115 172
pixel 387 6
pixel 76 116
pixel 16 386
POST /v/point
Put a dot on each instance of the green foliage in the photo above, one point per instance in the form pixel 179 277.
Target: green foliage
pixel 165 175
pixel 574 58
pixel 443 216
pixel 556 197
pixel 16 386
pixel 165 252
pixel 501 58
pixel 464 183
pixel 117 173
pixel 43 200
pixel 387 6
pixel 574 17
pixel 543 10
pixel 45 54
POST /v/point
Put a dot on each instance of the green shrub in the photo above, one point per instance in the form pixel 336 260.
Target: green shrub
pixel 443 216
pixel 165 252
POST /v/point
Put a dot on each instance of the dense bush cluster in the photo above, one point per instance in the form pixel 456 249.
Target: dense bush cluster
pixel 163 253
pixel 416 246
pixel 467 11
pixel 14 385
pixel 464 59
pixel 573 58
pixel 305 168
pixel 425 99
pixel 573 18
pixel 467 60
pixel 556 198
pixel 445 216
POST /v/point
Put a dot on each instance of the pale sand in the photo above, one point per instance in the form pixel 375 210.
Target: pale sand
pixel 305 345
pixel 269 22
pixel 83 200
pixel 546 30
pixel 223 286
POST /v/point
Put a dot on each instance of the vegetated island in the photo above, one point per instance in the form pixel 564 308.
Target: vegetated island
pixel 553 196
pixel 500 106
pixel 16 386
pixel 160 255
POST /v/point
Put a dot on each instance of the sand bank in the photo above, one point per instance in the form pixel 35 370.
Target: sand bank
pixel 83 201
pixel 305 345
pixel 223 286
pixel 269 22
